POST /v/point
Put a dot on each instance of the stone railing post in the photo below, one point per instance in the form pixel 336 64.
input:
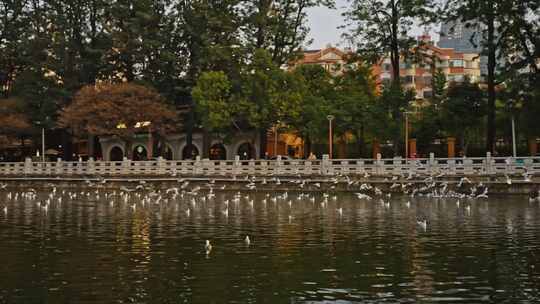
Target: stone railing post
pixel 488 166
pixel 28 166
pixel 279 165
pixel 59 167
pixel 91 166
pixel 126 166
pixel 307 167
pixel 379 165
pixel 451 166
pixel 325 165
pixel 197 169
pixel 161 166
pixel 432 163
pixel 237 169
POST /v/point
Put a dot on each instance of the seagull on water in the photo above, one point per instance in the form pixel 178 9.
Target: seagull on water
pixel 422 224
pixel 208 247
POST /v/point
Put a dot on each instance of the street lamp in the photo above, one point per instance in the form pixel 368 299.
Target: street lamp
pixel 275 139
pixel 142 124
pixel 330 135
pixel 42 124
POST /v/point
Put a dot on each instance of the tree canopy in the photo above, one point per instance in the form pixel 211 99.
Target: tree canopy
pixel 118 109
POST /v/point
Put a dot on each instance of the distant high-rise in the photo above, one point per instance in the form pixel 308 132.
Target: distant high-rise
pixel 463 38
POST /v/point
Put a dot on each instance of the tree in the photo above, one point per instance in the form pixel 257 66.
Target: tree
pixel 381 28
pixel 116 110
pixel 438 83
pixel 499 22
pixel 463 111
pixel 13 120
pixel 269 95
pixel 389 110
pixel 318 92
pixel 355 104
pixel 213 102
pixel 278 26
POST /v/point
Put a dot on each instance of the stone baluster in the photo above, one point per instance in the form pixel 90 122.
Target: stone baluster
pixel 126 166
pixel 433 165
pixel 325 164
pixel 488 163
pixel 91 166
pixel 237 169
pixel 28 166
pixel 379 165
pixel 59 167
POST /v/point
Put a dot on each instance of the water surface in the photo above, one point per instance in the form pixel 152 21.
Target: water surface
pixel 302 250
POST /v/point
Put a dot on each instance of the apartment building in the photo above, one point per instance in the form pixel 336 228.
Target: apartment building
pixel 418 73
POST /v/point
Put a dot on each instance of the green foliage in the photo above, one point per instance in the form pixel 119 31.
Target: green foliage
pixel 213 101
pixel 438 84
pixel 268 93
pixel 463 110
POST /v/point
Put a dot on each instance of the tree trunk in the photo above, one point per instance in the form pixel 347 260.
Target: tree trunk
pixel 492 63
pixel 67 144
pixel 307 147
pixel 206 144
pixel 129 149
pixel 189 134
pixel 360 142
pixel 263 137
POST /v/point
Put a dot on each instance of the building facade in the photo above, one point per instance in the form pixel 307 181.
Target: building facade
pixel 418 75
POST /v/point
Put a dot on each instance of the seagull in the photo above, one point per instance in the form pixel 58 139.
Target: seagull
pixel 5 209
pixel 408 204
pixel 483 195
pixel 422 224
pixel 340 211
pixel 247 240
pixel 508 180
pixel 208 247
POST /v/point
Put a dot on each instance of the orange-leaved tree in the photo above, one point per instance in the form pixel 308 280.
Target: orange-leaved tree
pixel 118 110
pixel 13 121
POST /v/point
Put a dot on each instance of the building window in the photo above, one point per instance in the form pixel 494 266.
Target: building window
pixel 405 65
pixel 387 67
pixel 456 78
pixel 442 64
pixel 407 79
pixel 428 94
pixel 456 63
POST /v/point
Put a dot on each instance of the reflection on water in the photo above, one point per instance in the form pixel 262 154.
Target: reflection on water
pixel 101 247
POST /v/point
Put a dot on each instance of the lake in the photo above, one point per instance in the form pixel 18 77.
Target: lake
pixel 90 246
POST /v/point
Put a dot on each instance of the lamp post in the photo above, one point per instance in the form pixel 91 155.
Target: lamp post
pixel 275 139
pixel 148 124
pixel 330 135
pixel 514 149
pixel 42 124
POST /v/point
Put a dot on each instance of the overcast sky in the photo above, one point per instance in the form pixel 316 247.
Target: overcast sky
pixel 324 24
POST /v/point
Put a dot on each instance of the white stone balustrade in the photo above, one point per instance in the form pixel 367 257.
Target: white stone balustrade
pixel 203 167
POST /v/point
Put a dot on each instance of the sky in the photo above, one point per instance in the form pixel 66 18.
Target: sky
pixel 324 23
